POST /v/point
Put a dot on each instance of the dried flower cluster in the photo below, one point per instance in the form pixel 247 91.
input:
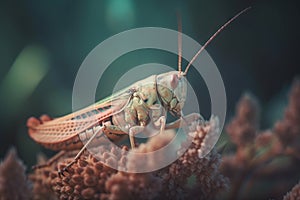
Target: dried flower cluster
pixel 263 156
pixel 267 159
pixel 13 181
pixel 40 189
pixel 288 129
pixel 294 194
pixel 208 181
pixel 190 177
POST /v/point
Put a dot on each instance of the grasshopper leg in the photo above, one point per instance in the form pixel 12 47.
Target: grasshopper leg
pixel 114 133
pixel 65 169
pixel 132 132
pixel 162 123
pixel 114 129
pixel 50 161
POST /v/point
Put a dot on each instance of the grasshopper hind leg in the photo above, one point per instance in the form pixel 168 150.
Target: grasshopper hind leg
pixel 50 161
pixel 65 169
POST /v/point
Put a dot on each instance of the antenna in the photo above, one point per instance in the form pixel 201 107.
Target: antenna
pixel 179 42
pixel 212 37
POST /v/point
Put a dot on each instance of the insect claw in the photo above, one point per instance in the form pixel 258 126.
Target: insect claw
pixel 61 173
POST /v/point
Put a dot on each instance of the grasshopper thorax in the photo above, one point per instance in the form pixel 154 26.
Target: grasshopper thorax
pixel 171 90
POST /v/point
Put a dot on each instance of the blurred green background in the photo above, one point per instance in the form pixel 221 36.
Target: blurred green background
pixel 43 44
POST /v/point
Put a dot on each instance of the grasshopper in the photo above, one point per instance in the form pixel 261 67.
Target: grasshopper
pixel 126 113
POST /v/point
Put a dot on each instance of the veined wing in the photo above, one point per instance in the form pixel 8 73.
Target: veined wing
pixel 66 127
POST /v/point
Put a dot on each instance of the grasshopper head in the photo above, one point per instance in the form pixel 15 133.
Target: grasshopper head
pixel 172 88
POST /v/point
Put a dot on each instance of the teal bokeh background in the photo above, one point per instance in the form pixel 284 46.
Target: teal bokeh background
pixel 44 42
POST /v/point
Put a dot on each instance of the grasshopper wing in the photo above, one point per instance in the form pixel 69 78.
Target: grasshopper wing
pixel 64 128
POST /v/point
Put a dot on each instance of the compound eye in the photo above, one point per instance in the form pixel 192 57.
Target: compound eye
pixel 174 81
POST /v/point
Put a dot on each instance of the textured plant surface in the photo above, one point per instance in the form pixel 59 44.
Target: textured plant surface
pixel 294 194
pixel 190 177
pixel 260 164
pixel 13 181
pixel 264 164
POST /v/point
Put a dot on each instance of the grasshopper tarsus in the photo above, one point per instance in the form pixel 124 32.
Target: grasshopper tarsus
pixel 61 172
pixel 65 169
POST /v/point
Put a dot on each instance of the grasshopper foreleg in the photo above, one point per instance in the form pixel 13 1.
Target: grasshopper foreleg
pixel 161 122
